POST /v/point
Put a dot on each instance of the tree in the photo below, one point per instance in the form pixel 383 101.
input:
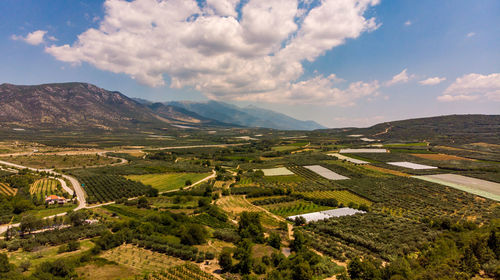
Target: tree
pixel 493 243
pixel 299 241
pixel 193 234
pixel 250 227
pixel 469 262
pixel 302 270
pixel 244 255
pixel 78 218
pixel 225 260
pixel 143 202
pixel 30 223
pixel 274 240
pixel 299 221
pixel 4 263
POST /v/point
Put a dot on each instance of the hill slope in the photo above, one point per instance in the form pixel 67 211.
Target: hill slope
pixel 452 128
pixel 84 106
pixel 250 116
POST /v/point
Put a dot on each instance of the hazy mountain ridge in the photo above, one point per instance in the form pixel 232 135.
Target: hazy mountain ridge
pixel 83 106
pixel 248 116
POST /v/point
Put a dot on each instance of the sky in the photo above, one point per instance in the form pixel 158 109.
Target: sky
pixel 338 62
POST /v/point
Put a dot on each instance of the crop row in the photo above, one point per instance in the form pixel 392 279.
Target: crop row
pixel 105 188
pixel 45 187
pixel 6 190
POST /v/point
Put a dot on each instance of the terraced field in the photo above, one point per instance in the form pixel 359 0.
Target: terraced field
pixel 168 181
pixel 7 190
pixel 44 187
pixel 344 197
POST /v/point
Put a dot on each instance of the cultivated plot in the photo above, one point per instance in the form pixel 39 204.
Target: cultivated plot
pixel 279 171
pixel 475 186
pixel 411 165
pixel 357 151
pixel 334 213
pixel 168 181
pixel 326 173
pixel 349 159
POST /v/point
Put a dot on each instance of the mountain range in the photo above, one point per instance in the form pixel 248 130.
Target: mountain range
pixel 82 105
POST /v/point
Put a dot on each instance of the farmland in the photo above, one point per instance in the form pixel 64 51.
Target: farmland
pixel 326 173
pixel 344 197
pixel 104 188
pixel 140 259
pixel 183 272
pixel 61 161
pixel 7 190
pixel 411 165
pixel 357 207
pixel 475 186
pixel 296 207
pixel 45 187
pixel 168 181
pixel 278 171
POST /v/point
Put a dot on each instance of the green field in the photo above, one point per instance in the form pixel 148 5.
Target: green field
pixel 297 207
pixel 168 181
pixel 344 197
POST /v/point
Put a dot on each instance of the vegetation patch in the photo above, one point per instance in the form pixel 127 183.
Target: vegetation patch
pixel 62 161
pixel 140 259
pixel 103 188
pixel 344 197
pixel 168 181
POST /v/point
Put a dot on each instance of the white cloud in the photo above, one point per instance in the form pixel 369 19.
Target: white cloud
pixel 408 23
pixel 432 81
pixel 473 87
pixel 33 38
pixel 319 90
pixel 217 52
pixel 470 34
pixel 400 78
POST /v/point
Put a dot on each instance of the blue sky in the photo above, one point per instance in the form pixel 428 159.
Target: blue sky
pixel 336 70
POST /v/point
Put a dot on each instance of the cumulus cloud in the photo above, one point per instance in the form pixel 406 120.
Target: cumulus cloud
pixel 408 23
pixel 33 38
pixel 473 87
pixel 319 90
pixel 257 54
pixel 432 81
pixel 400 78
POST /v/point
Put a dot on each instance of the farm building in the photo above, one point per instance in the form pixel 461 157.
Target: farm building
pixel 334 213
pixel 53 199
